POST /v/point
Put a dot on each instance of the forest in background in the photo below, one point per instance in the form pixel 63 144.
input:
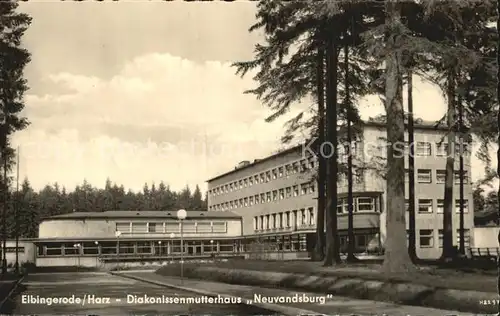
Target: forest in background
pixel 32 206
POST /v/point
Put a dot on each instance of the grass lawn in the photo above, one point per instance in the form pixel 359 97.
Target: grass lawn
pixel 475 280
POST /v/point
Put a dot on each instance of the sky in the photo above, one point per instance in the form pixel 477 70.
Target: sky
pixel 144 92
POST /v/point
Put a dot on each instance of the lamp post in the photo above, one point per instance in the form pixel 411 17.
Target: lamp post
pixel 118 234
pixel 77 247
pixel 97 254
pixel 181 215
pixel 172 236
pixel 212 249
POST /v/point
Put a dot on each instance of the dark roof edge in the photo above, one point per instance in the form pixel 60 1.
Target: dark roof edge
pixel 424 125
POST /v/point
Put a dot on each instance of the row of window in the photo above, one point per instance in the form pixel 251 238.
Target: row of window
pixel 426 238
pixel 425 148
pixel 360 204
pixel 286 170
pixel 268 197
pixel 140 248
pixel 421 149
pixel 171 227
pixel 426 206
pixel 282 220
pixel 426 176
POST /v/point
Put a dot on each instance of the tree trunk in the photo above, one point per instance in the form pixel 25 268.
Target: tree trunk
pixel 448 250
pixel 412 247
pixel 498 162
pixel 461 161
pixel 332 240
pixel 319 250
pixel 350 201
pixel 396 258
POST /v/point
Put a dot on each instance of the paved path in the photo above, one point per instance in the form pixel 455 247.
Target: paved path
pixel 103 286
pixel 330 305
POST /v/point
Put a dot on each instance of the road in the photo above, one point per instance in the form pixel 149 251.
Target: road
pixel 102 286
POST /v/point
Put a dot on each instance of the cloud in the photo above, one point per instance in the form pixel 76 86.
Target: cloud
pixel 161 117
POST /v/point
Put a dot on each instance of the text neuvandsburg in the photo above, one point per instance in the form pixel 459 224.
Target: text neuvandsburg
pixel 297 298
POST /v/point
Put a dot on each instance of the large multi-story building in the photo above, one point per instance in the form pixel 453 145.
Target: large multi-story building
pixel 277 195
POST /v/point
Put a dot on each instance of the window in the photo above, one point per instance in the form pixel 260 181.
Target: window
pixel 275 195
pixel 231 205
pixel 280 172
pixel 282 194
pixel 423 149
pixel 287 219
pixel 457 177
pixel 90 248
pixel 303 217
pixel 203 227
pixel 426 238
pixel 172 227
pixel 275 174
pixel 262 178
pixel 311 216
pixel 358 175
pixel 250 201
pixel 219 227
pixel 268 176
pixel 256 197
pixel 268 223
pixel 263 198
pixel 255 223
pixel 153 227
pixel 303 188
pixel 424 176
pixel 460 147
pixel 256 178
pixel 366 205
pixel 312 162
pixel 424 206
pixel 231 187
pixel 268 196
pixel 440 176
pixel 241 184
pixel 295 190
pixel 457 206
pixel 288 192
pixel 72 249
pixel 342 206
pixel 466 237
pixel 296 167
pixel 288 170
pixel 123 227
pixel 245 201
pixel 442 149
pixel 360 241
pixel 303 165
pixel 144 247
pixel 280 216
pixel 241 204
pixel 440 206
pixel 311 188
pixel 245 183
pixel 250 181
pixel 108 248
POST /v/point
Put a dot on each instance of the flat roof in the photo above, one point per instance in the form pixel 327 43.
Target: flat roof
pixel 143 215
pixel 419 124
